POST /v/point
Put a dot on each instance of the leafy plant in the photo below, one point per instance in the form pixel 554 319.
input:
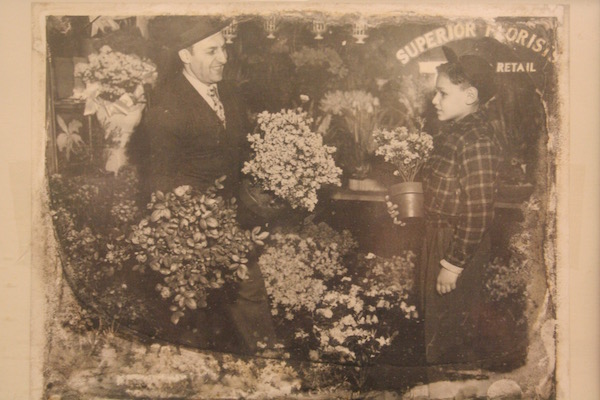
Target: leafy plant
pixel 68 140
pixel 194 242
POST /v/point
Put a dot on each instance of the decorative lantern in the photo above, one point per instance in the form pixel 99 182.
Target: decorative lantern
pixel 359 31
pixel 230 32
pixel 318 28
pixel 271 27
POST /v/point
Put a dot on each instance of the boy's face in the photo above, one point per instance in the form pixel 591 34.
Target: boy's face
pixel 206 59
pixel 452 101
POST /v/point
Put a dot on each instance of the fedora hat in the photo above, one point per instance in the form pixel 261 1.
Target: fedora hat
pixel 177 32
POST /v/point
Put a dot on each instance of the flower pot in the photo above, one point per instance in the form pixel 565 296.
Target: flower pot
pixel 409 198
pixel 261 203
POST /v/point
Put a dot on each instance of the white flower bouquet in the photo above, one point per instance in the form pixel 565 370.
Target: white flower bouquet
pixel 290 159
pixel 308 260
pixel 406 150
pixel 111 75
pixel 114 91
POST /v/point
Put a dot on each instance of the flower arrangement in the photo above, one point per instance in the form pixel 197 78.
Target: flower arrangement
pixel 314 255
pixel 194 242
pixel 290 159
pixel 359 110
pixel 111 75
pixel 68 140
pixel 351 301
pixel 114 91
pixel 406 150
pixel 351 321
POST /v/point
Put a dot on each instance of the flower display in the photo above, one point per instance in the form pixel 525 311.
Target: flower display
pixel 406 150
pixel 114 91
pixel 290 159
pixel 359 110
pixel 111 75
pixel 351 300
pixel 351 323
pixel 69 140
pixel 194 242
pixel 314 255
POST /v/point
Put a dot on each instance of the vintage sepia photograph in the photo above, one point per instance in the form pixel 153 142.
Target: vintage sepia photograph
pixel 298 200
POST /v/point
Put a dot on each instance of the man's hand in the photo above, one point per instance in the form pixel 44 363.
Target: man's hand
pixel 446 281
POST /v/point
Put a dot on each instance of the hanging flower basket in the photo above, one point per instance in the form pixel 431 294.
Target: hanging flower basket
pixel 408 196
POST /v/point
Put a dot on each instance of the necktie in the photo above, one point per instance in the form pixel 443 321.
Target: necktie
pixel 218 106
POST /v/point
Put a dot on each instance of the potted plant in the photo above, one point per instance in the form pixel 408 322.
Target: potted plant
pixel 359 111
pixel 289 162
pixel 407 150
pixel 114 91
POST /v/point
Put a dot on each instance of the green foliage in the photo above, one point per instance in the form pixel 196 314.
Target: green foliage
pixel 190 240
pixel 193 240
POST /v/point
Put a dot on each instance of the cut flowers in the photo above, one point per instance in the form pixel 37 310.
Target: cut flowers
pixel 290 159
pixel 114 91
pixel 111 75
pixel 406 149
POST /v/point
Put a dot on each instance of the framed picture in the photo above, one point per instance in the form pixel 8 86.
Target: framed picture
pixel 278 200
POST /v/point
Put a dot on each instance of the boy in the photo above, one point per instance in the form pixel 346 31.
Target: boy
pixel 459 191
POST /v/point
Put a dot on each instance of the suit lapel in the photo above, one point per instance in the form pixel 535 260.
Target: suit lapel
pixel 202 113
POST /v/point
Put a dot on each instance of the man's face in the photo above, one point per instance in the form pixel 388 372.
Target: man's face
pixel 452 101
pixel 206 59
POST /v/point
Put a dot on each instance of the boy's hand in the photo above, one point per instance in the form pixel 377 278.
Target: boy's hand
pixel 446 281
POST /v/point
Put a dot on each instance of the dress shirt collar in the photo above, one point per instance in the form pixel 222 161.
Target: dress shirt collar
pixel 201 87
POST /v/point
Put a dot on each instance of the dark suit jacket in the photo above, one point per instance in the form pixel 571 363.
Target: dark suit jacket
pixel 184 143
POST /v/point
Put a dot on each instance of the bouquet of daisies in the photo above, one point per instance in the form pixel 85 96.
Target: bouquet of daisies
pixel 290 159
pixel 406 150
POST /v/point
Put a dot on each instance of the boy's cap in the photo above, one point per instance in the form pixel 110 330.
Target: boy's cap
pixel 478 71
pixel 179 32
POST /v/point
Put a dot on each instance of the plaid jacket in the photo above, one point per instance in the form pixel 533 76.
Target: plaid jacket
pixel 459 183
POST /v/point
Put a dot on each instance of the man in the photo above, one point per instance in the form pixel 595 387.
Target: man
pixel 196 125
pixel 196 130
